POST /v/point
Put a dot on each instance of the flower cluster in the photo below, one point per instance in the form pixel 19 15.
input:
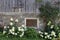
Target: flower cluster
pixel 47 35
pixel 50 33
pixel 14 29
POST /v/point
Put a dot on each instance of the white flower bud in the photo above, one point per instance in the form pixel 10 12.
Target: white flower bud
pixel 45 36
pixel 48 36
pixel 11 19
pixel 4 27
pixel 13 28
pixel 11 23
pixel 16 20
pixel 10 31
pixel 40 32
pixel 15 33
pixel 52 26
pixel 21 29
pixel 46 33
pixel 41 35
pixel 49 23
pixel 52 33
pixel 23 25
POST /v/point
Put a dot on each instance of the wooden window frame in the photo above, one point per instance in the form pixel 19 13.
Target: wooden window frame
pixel 37 22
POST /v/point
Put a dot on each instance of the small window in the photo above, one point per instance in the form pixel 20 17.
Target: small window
pixel 32 22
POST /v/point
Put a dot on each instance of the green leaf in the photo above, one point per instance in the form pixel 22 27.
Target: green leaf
pixel 38 0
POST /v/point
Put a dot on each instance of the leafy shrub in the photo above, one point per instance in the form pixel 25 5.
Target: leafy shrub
pixel 13 29
pixel 31 33
pixel 51 32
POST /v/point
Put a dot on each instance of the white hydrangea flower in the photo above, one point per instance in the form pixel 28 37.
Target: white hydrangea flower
pixel 23 25
pixel 45 36
pixel 48 36
pixel 46 33
pixel 11 23
pixel 11 19
pixel 19 28
pixel 4 27
pixel 15 33
pixel 40 32
pixel 4 32
pixel 49 23
pixel 16 20
pixel 13 28
pixel 22 29
pixel 10 31
pixel 21 34
pixel 52 33
pixel 41 35
pixel 52 26
pixel 25 28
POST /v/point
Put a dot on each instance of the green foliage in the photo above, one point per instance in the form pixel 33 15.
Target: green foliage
pixel 52 27
pixel 38 0
pixel 31 33
pixel 52 31
pixel 2 37
pixel 13 29
pixel 48 12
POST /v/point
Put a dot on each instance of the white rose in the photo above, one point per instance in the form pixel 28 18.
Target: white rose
pixel 11 23
pixel 4 32
pixel 52 26
pixel 11 19
pixel 4 27
pixel 46 33
pixel 16 20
